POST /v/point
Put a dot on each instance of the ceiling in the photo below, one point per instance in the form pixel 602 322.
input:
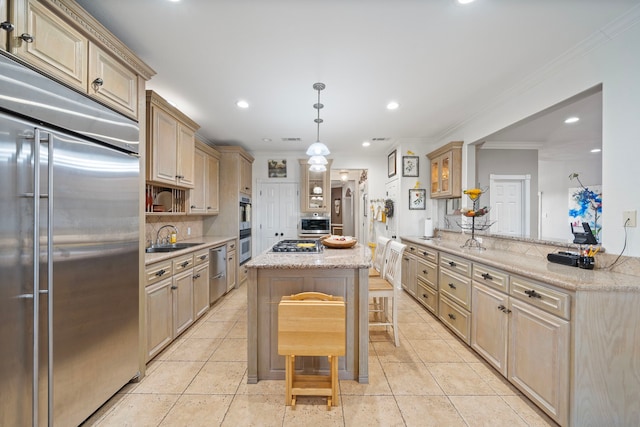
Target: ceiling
pixel 441 61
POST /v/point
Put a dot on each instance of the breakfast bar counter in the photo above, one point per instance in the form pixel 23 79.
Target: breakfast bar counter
pixel 337 272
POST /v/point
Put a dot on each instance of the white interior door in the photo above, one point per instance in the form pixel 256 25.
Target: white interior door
pixel 277 213
pixel 509 201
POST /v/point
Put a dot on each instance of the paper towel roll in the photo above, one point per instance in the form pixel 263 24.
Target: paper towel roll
pixel 428 228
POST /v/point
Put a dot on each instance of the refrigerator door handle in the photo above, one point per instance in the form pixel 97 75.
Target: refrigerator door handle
pixel 36 277
pixel 49 290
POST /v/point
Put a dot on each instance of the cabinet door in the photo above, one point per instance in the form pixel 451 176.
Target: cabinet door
pixel 200 290
pixel 57 48
pixel 111 82
pixel 185 152
pixel 182 301
pixel 212 196
pixel 435 178
pixel 445 174
pixel 316 189
pixel 231 270
pixel 409 278
pixel 197 195
pixel 164 128
pixel 489 325
pixel 4 17
pixel 245 176
pixel 159 317
pixel 539 358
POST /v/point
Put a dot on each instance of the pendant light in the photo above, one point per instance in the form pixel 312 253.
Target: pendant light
pixel 318 148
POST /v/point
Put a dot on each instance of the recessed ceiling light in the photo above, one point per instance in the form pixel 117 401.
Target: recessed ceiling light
pixel 366 144
pixel 572 119
pixel 242 104
pixel 596 150
pixel 266 139
pixel 175 1
pixel 393 105
pixel 465 1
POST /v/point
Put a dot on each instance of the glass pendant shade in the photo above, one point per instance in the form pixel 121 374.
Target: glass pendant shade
pixel 317 168
pixel 317 160
pixel 318 149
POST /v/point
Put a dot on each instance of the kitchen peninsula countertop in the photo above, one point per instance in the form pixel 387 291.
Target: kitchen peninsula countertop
pixel 207 242
pixel 538 268
pixel 358 256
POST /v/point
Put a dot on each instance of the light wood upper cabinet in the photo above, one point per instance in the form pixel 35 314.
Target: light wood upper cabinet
pixel 4 19
pixel 63 41
pixel 111 82
pixel 47 42
pixel 204 197
pixel 446 171
pixel 315 188
pixel 245 176
pixel 170 144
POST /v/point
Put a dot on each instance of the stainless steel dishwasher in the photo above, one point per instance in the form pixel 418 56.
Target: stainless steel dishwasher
pixel 217 272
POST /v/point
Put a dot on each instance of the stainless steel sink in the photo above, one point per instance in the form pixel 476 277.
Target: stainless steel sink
pixel 170 248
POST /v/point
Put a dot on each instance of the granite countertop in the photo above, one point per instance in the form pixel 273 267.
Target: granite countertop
pixel 358 256
pixel 562 276
pixel 207 242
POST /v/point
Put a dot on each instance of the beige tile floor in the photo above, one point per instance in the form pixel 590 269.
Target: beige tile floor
pixel 432 379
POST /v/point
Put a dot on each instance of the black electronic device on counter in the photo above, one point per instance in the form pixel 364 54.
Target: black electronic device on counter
pixel 585 237
pixel 564 258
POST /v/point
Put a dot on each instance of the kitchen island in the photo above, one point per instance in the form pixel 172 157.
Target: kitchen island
pixel 337 272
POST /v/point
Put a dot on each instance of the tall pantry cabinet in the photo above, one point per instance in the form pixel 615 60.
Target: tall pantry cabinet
pixel 235 180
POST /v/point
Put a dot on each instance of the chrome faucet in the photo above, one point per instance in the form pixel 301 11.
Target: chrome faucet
pixel 164 240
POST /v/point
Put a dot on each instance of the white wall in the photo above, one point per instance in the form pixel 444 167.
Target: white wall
pixel 554 184
pixel 610 58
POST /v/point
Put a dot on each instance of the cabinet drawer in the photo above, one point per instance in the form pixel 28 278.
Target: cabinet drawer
pixel 201 257
pixel 428 272
pixel 158 271
pixel 182 263
pixel 457 288
pixel 231 246
pixel 428 297
pixel 459 321
pixel 550 300
pixel 424 253
pixel 491 277
pixel 459 265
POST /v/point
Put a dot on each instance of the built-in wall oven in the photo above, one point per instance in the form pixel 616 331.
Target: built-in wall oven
pixel 244 242
pixel 245 212
pixel 245 246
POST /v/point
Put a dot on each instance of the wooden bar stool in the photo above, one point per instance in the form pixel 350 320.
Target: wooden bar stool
pixel 311 324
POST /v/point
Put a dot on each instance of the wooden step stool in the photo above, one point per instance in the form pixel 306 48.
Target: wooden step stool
pixel 311 324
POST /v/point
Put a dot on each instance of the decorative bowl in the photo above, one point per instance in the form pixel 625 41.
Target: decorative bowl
pixel 339 242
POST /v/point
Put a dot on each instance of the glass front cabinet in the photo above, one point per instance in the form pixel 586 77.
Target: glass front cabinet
pixel 315 188
pixel 446 172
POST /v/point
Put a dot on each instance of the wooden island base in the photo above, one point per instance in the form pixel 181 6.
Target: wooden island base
pixel 337 272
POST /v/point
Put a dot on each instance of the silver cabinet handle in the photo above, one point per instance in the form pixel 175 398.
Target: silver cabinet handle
pixel 27 38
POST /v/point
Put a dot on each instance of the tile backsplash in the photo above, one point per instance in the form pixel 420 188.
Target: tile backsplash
pixel 182 223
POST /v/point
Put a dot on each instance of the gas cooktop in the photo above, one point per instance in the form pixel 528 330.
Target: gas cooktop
pixel 298 246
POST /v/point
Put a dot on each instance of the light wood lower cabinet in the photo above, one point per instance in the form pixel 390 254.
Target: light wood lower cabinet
pixel 490 326
pixel 408 272
pixel 231 270
pixel 538 364
pixel 159 318
pixel 527 345
pixel 182 301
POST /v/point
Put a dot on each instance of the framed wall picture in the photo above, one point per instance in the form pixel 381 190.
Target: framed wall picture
pixel 277 168
pixel 391 164
pixel 417 198
pixel 410 166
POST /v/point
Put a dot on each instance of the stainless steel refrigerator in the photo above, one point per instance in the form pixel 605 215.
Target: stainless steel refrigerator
pixel 69 230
